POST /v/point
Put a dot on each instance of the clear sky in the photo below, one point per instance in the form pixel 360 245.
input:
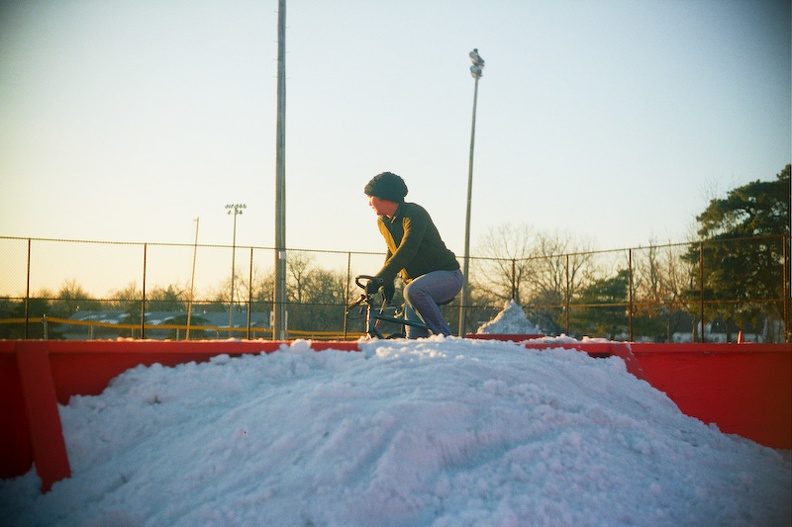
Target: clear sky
pixel 612 120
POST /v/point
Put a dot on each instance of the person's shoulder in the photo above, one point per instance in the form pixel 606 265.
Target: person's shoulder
pixel 413 209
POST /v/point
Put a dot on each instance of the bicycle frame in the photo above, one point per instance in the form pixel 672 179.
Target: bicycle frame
pixel 375 315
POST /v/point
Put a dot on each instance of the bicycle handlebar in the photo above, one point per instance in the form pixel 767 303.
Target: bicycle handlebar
pixel 362 277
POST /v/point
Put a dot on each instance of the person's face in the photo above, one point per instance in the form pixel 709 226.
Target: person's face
pixel 378 205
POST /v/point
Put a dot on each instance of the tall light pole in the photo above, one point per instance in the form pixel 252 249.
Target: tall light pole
pixel 236 210
pixel 279 302
pixel 477 71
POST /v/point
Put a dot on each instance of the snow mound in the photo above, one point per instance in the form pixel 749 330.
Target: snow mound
pixel 510 321
pixel 441 432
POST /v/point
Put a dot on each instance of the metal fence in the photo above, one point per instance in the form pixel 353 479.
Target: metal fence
pixel 722 290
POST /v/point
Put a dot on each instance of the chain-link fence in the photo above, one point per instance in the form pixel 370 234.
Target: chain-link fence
pixel 722 290
pixel 715 291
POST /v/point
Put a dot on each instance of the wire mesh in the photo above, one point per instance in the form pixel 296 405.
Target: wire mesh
pixel 699 291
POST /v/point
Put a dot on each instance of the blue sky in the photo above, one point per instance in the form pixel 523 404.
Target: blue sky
pixel 612 121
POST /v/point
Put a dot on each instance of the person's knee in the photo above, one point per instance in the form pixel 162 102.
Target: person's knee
pixel 412 293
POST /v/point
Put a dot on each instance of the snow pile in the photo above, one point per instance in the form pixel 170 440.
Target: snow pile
pixel 442 432
pixel 510 321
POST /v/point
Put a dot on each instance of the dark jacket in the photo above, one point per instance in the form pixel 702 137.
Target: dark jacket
pixel 414 245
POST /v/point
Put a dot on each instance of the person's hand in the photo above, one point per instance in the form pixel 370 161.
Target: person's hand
pixel 388 290
pixel 373 285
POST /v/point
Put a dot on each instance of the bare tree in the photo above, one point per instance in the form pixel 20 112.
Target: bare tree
pixel 123 299
pixel 298 266
pixel 659 280
pixel 560 266
pixel 504 264
pixel 72 295
pixel 540 270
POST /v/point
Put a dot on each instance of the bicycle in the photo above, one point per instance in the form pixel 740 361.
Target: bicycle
pixel 376 315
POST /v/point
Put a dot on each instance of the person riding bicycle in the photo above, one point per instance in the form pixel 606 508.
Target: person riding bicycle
pixel 428 268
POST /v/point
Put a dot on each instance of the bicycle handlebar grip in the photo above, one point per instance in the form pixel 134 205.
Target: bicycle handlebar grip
pixel 362 277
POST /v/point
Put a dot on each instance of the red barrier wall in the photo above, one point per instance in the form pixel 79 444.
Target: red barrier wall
pixel 16 453
pixel 745 389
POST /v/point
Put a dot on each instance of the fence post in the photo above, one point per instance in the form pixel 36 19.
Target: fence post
pixel 143 299
pixel 701 289
pixel 250 294
pixel 514 279
pixel 346 291
pixel 630 292
pixel 192 280
pixel 566 294
pixel 27 293
pixel 787 277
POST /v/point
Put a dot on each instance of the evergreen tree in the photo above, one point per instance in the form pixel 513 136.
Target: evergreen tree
pixel 605 311
pixel 742 251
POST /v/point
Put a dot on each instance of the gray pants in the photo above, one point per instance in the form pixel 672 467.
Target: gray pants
pixel 421 299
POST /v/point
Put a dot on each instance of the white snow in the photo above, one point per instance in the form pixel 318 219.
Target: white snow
pixel 443 432
pixel 510 321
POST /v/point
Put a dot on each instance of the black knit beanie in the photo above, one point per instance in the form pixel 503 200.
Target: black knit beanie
pixel 387 186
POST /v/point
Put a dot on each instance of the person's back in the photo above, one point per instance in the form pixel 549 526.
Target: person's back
pixel 429 252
